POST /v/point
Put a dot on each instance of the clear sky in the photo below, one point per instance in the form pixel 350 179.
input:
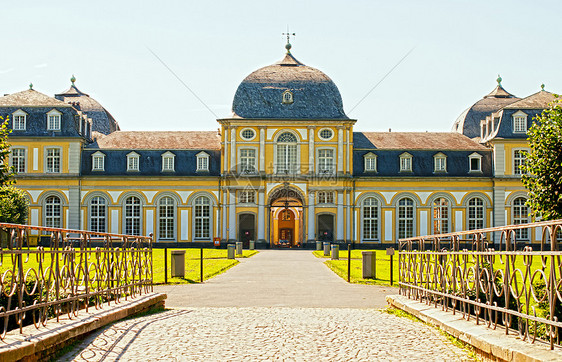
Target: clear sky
pixel 459 48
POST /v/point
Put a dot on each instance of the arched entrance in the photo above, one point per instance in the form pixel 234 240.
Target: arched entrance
pixel 286 217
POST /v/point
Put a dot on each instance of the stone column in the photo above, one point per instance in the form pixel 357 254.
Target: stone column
pixel 233 150
pixel 261 215
pixel 339 217
pixel 232 215
pixel 347 152
pixel 498 218
pixel 73 207
pixel 262 149
pixel 225 155
pixel 224 213
pixel 348 216
pixel 340 149
pixel 310 150
pixel 311 217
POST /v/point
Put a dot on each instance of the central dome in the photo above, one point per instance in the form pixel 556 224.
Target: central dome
pixel 288 90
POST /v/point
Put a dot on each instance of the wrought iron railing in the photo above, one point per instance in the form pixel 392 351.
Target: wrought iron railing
pixel 505 284
pixel 77 270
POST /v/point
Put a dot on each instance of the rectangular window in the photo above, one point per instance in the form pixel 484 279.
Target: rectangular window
pixel 247 160
pixel 405 164
pixel 53 124
pixel 518 161
pixel 18 159
pixel 520 124
pixel 132 163
pixel 325 161
pixel 370 163
pixel 53 160
pixel 440 164
pixel 202 163
pixel 98 163
pixel 168 163
pixel 19 123
pixel 247 197
pixel 370 219
pixel 325 197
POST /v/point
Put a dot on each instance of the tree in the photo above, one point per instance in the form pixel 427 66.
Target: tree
pixel 13 205
pixel 543 165
pixel 6 171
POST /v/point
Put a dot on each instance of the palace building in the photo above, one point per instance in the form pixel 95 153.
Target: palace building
pixel 286 166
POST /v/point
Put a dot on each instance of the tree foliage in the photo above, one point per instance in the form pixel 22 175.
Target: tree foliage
pixel 543 166
pixel 6 171
pixel 13 205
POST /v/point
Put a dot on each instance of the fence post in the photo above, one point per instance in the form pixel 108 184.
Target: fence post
pixel 165 265
pixel 348 262
pixel 201 265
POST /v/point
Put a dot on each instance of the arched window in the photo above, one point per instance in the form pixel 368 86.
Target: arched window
pixel 286 153
pixel 202 215
pixel 475 213
pixel 166 218
pixel 53 212
pixel 287 97
pixel 520 216
pixel 132 216
pixel 98 214
pixel 370 215
pixel 440 215
pixel 405 218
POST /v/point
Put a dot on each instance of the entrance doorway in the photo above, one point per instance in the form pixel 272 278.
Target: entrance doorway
pixel 326 227
pixel 286 218
pixel 246 228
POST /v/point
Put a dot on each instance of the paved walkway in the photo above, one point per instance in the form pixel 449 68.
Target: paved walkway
pixel 277 305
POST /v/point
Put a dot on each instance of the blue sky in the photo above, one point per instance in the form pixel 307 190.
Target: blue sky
pixel 459 49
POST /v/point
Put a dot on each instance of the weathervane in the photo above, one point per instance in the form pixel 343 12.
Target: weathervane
pixel 288 45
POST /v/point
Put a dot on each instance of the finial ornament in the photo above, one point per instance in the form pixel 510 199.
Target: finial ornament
pixel 499 80
pixel 30 85
pixel 288 46
pixel 542 86
pixel 73 79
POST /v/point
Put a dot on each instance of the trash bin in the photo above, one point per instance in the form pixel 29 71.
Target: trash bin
pixel 326 249
pixel 178 263
pixel 318 245
pixel 369 265
pixel 239 245
pixel 335 252
pixel 252 244
pixel 231 249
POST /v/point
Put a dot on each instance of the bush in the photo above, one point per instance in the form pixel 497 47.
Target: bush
pixel 13 205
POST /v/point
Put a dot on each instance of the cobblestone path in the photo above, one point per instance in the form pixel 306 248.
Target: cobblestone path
pixel 260 333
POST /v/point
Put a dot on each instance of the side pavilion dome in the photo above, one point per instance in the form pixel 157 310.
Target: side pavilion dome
pixel 288 89
pixel 102 120
pixel 468 123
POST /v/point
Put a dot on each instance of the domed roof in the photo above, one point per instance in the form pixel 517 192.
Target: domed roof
pixel 102 120
pixel 288 89
pixel 468 123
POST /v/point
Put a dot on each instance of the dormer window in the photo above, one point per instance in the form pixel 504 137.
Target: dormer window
pixel 53 120
pixel 440 162
pixel 287 97
pixel 19 122
pixel 98 161
pixel 405 162
pixel 370 160
pixel 133 161
pixel 475 162
pixel 202 161
pixel 482 130
pixel 168 159
pixel 520 122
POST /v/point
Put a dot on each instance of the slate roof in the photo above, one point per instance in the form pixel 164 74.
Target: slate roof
pixel 30 98
pixel 539 100
pixel 414 141
pixel 315 95
pixel 468 123
pixel 102 120
pixel 159 140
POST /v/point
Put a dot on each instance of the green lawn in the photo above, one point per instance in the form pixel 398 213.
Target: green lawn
pixel 382 266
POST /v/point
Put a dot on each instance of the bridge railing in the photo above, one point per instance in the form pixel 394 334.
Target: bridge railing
pixel 503 284
pixel 77 270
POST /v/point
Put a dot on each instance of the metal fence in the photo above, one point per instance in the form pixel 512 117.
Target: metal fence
pixel 77 270
pixel 505 284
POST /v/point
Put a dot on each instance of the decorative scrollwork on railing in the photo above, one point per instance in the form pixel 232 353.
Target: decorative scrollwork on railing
pixel 503 284
pixel 71 270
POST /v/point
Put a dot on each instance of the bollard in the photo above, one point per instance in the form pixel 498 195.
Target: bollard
pixel 178 263
pixel 326 249
pixel 252 244
pixel 335 252
pixel 318 245
pixel 239 248
pixel 390 252
pixel 165 265
pixel 231 249
pixel 369 265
